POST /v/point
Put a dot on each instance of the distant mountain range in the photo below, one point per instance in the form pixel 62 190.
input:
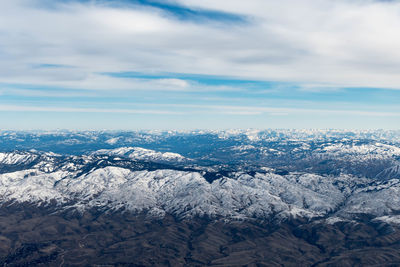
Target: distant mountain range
pixel 303 187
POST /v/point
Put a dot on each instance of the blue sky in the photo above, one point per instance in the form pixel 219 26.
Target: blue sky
pixel 199 64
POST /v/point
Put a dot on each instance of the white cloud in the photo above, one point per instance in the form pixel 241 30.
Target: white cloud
pixel 346 43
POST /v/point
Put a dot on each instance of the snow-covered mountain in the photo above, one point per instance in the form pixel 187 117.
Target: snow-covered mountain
pixel 17 158
pixel 139 153
pixel 184 194
pixel 100 182
pixel 392 172
pixel 240 174
pixel 232 198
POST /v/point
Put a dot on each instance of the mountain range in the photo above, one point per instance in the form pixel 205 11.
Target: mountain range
pixel 218 198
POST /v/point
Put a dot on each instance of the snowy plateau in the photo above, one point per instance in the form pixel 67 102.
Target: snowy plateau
pixel 302 180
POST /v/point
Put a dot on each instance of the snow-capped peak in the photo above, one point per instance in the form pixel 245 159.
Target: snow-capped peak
pixel 139 153
pixel 16 158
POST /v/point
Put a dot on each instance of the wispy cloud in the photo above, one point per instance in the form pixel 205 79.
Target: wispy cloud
pixel 24 108
pixel 168 8
pixel 251 110
pixel 189 109
pixel 49 66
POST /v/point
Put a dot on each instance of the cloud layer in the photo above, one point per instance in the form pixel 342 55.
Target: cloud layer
pixel 351 43
pixel 291 54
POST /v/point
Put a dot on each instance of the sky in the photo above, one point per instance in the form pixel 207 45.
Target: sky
pixel 199 64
